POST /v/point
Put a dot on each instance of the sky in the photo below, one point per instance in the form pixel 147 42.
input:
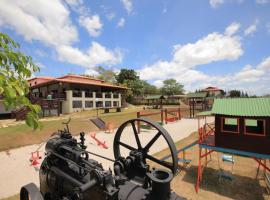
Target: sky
pixel 200 43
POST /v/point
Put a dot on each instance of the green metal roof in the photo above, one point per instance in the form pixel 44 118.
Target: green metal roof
pixel 155 97
pixel 257 107
pixel 197 95
pixel 204 113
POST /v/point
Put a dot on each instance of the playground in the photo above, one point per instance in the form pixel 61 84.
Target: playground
pixel 13 179
pixel 201 174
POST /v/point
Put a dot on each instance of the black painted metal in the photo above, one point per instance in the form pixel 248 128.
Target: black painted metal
pixel 68 172
pixel 161 132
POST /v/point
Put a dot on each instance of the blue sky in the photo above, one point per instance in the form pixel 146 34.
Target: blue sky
pixel 222 43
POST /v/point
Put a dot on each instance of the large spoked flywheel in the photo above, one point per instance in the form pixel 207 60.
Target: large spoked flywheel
pixel 145 149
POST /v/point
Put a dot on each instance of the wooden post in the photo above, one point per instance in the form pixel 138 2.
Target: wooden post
pixel 193 109
pixel 58 107
pixel 138 122
pixel 166 115
pixel 161 113
pixel 179 113
pixel 189 108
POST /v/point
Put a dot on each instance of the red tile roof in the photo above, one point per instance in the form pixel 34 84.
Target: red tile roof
pixel 78 80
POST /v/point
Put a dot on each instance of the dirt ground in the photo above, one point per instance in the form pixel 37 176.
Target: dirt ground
pixel 244 186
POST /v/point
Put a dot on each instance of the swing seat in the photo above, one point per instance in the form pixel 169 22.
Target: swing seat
pixel 228 158
pixel 225 175
pixel 160 123
pixel 144 126
pixel 185 161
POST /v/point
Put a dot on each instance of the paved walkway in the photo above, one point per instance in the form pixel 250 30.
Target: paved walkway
pixel 15 169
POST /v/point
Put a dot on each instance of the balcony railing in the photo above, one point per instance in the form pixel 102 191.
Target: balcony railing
pixel 59 96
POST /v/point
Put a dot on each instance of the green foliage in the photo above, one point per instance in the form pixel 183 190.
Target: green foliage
pixel 126 75
pixel 107 75
pixel 15 69
pixel 234 93
pixel 237 94
pixel 149 89
pixel 172 87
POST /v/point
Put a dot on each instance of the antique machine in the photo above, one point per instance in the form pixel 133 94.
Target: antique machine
pixel 68 172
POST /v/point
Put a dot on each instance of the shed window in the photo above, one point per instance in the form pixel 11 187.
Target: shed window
pixel 255 127
pixel 230 125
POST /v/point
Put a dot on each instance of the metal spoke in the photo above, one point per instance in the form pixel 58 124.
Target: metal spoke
pixel 152 141
pixel 163 163
pixel 136 135
pixel 126 146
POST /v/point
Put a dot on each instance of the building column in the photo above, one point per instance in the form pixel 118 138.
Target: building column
pixel 83 100
pixel 94 100
pixel 103 99
pixel 68 105
pixel 112 99
pixel 120 100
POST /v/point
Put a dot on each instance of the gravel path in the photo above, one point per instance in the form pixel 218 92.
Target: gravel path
pixel 15 169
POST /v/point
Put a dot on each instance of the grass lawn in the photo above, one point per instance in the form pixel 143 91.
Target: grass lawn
pixel 21 135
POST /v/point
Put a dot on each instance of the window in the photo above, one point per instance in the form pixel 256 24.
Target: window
pixel 115 104
pixel 108 104
pixel 229 124
pixel 76 93
pixel 107 95
pixel 99 104
pixel 88 94
pixel 254 127
pixel 89 104
pixel 98 95
pixel 77 104
pixel 115 96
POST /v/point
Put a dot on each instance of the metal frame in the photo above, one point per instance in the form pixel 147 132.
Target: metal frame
pixel 210 148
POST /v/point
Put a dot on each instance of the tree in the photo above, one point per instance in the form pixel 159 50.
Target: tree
pixel 172 87
pixel 107 75
pixel 149 89
pixel 126 75
pixel 15 69
pixel 234 93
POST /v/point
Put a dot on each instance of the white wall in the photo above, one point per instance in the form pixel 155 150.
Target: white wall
pixel 67 106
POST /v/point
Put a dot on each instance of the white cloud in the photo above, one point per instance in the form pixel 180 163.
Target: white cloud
pixel 252 28
pixel 44 21
pixel 110 16
pixel 121 22
pixel 127 5
pixel 185 58
pixel 95 55
pixel 49 23
pixel 216 3
pixel 74 2
pixel 211 48
pixel 262 1
pixel 92 24
pixel 232 29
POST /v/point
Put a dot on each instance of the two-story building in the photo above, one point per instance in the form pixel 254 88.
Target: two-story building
pixel 75 93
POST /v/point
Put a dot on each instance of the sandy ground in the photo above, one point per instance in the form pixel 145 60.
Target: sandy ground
pixel 15 169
